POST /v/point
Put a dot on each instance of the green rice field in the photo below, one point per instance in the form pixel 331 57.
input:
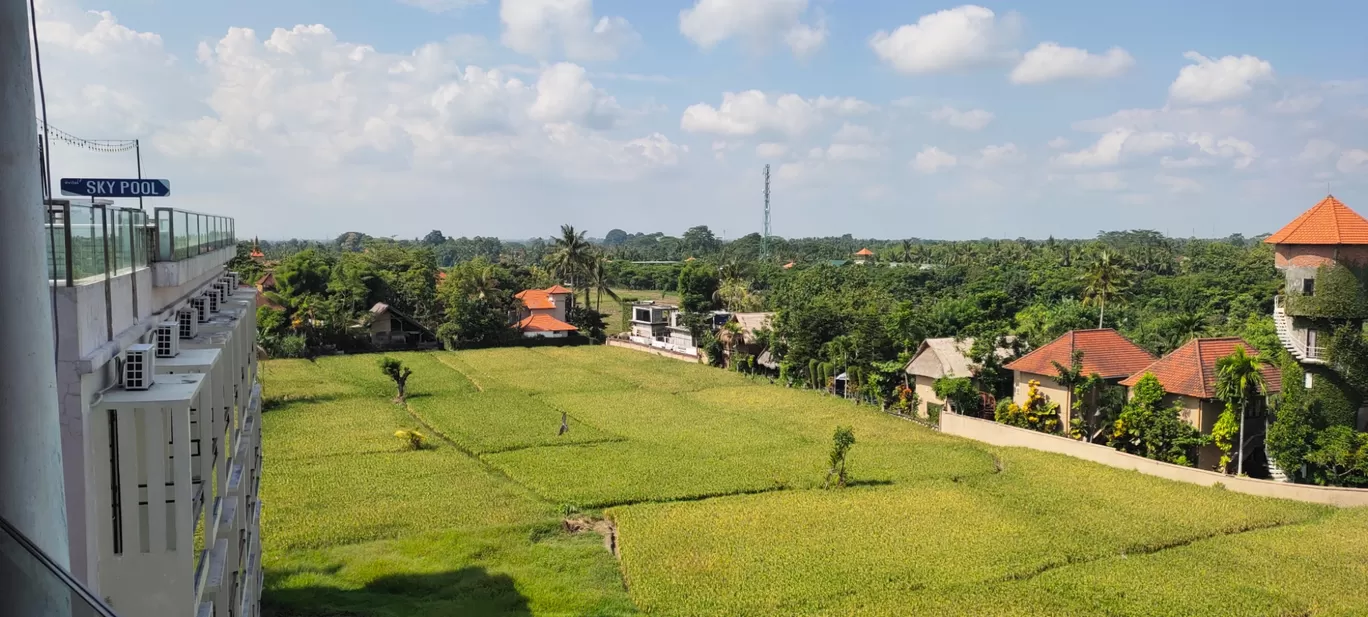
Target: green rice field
pixel 709 485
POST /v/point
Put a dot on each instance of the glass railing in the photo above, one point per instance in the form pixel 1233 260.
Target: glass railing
pixel 33 585
pixel 182 234
pixel 90 242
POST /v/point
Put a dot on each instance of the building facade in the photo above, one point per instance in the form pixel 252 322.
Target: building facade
pixel 1323 256
pixel 160 410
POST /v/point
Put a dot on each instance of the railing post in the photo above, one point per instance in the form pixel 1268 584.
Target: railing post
pixel 66 233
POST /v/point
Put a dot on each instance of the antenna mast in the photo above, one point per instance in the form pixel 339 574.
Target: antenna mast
pixel 765 235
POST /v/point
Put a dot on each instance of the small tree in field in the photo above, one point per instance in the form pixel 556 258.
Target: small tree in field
pixel 396 370
pixel 840 446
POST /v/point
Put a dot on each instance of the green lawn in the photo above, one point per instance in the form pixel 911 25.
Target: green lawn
pixel 714 482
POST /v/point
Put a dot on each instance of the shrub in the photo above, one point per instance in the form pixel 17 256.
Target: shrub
pixel 396 371
pixel 1038 414
pixel 1146 429
pixel 841 442
pixel 413 440
pixel 933 413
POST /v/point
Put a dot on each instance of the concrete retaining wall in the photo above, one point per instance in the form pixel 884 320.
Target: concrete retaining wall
pixel 1003 435
pixel 659 352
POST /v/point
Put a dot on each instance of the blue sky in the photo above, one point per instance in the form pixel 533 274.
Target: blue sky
pixel 509 117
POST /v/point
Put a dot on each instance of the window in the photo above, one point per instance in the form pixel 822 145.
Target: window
pixel 643 315
pixel 1308 287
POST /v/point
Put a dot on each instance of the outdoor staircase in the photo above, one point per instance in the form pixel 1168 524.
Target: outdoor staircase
pixel 1283 324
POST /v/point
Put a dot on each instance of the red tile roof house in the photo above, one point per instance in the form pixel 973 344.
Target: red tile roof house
pixel 1105 352
pixel 1188 374
pixel 542 314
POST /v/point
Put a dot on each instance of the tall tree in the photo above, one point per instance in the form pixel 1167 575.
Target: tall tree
pixel 571 254
pixel 597 279
pixel 1239 378
pixel 1104 280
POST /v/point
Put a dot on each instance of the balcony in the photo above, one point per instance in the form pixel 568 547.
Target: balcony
pixel 94 242
pixel 191 246
pixel 31 583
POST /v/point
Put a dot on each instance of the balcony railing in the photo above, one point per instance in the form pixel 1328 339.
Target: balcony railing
pixel 182 234
pixel 92 242
pixel 31 583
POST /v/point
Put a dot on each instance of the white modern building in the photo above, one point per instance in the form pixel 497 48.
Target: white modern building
pixel 160 410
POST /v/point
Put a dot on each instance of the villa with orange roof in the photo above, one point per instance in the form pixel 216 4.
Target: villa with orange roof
pixel 1105 352
pixel 543 312
pixel 1188 375
pixel 864 256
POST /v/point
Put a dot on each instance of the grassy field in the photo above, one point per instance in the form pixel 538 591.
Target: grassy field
pixel 714 483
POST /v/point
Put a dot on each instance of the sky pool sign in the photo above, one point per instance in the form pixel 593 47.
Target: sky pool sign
pixel 111 187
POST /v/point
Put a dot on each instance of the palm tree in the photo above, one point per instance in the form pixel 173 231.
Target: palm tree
pixel 1105 279
pixel 571 255
pixel 482 283
pixel 1239 378
pixel 597 280
pixel 907 251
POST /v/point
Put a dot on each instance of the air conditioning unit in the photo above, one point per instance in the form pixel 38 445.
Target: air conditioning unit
pixel 228 285
pixel 140 367
pixel 211 303
pixel 167 335
pixel 201 305
pixel 188 319
pixel 220 290
pixel 233 280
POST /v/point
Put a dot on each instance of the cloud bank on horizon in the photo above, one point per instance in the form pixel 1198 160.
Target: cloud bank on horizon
pixel 508 117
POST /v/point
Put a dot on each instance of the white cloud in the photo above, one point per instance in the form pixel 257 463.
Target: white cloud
pixel 1058 143
pixel 1353 161
pixel 991 156
pixel 844 105
pixel 761 23
pixel 962 37
pixel 1241 152
pixel 750 113
pixel 564 94
pixel 1051 61
pixel 442 6
pixel 1299 104
pixel 1117 145
pixel 853 152
pixel 932 159
pixel 1318 150
pixel 1190 162
pixel 1178 184
pixel 853 133
pixel 771 150
pixel 970 120
pixel 1217 80
pixel 540 28
pixel 1102 181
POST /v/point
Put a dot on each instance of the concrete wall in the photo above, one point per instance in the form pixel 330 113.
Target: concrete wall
pixel 659 352
pixel 1003 435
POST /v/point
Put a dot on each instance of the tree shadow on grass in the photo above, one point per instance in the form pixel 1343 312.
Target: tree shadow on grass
pixel 468 591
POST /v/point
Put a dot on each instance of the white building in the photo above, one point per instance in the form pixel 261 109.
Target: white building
pixel 160 410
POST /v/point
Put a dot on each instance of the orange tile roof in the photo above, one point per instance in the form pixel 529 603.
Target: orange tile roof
pixel 1105 352
pixel 544 323
pixel 1328 222
pixel 557 289
pixel 1190 370
pixel 865 252
pixel 788 265
pixel 536 299
pixel 441 275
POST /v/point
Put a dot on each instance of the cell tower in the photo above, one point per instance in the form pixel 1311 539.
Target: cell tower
pixel 765 235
